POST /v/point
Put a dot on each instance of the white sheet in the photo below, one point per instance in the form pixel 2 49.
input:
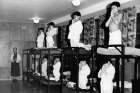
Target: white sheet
pixel 128 51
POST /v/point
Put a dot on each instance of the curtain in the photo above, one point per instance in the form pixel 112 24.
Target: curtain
pixel 94 31
pixel 128 26
pixel 89 31
pixel 64 34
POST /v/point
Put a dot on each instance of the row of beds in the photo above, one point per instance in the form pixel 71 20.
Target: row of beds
pixel 117 51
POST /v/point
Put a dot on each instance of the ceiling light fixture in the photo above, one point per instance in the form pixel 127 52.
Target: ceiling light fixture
pixel 36 19
pixel 76 2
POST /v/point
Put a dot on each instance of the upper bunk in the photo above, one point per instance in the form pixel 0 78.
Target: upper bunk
pixel 119 50
pixel 57 51
pixel 43 51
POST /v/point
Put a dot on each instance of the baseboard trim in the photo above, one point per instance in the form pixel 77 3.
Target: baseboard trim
pixel 7 79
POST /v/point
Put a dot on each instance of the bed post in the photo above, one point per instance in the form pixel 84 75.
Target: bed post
pixel 28 65
pixel 61 71
pixel 122 68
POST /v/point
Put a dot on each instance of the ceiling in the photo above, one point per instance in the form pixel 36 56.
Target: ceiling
pixel 24 10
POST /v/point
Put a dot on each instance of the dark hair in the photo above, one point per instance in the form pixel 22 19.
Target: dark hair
pixel 115 3
pixel 82 58
pixel 77 13
pixel 108 10
pixel 40 28
pixel 51 24
pixel 45 56
pixel 56 57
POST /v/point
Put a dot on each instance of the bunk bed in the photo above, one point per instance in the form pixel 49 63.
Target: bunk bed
pixel 34 54
pixel 120 51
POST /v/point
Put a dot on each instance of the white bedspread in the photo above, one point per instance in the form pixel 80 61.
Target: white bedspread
pixel 128 51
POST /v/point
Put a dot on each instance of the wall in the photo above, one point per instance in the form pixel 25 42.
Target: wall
pixel 137 4
pixel 20 35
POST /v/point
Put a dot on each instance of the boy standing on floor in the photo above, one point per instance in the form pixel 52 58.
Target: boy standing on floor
pixel 106 73
pixel 84 71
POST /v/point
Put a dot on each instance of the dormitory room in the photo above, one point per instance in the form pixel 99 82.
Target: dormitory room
pixel 69 46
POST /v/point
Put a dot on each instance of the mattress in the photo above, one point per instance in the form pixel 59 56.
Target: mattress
pixel 128 51
pixel 75 50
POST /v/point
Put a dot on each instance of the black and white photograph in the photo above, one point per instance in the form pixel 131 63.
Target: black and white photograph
pixel 69 46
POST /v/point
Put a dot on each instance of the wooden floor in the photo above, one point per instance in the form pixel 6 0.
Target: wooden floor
pixel 24 87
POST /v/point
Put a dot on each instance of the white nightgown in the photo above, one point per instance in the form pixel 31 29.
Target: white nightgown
pixel 83 73
pixel 40 40
pixel 56 71
pixel 49 38
pixel 106 74
pixel 44 68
